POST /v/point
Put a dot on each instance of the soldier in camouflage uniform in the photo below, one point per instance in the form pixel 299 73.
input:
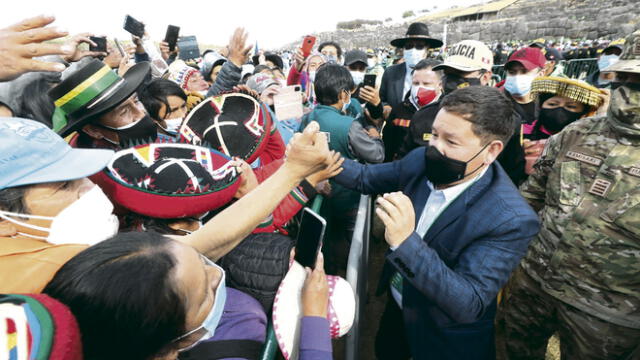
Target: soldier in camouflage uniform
pixel 581 275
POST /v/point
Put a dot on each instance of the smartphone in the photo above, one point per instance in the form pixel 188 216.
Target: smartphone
pixel 172 36
pixel 133 26
pixel 120 49
pixel 370 80
pixel 188 46
pixel 101 44
pixel 307 45
pixel 310 236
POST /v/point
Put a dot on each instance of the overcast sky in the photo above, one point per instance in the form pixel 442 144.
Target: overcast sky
pixel 271 23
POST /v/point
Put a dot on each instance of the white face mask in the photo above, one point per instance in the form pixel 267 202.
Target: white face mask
pixel 173 125
pixel 312 76
pixel 519 85
pixel 371 63
pixel 413 56
pixel 358 77
pixel 88 220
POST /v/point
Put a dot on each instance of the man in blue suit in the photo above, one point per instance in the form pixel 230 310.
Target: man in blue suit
pixel 456 226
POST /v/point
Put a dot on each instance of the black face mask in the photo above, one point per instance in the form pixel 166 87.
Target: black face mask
pixel 452 82
pixel 554 120
pixel 442 170
pixel 141 132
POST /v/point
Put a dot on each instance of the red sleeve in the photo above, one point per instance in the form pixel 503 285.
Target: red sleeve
pixel 294 76
pixel 288 207
pixel 275 148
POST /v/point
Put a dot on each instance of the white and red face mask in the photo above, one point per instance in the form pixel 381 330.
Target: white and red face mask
pixel 422 96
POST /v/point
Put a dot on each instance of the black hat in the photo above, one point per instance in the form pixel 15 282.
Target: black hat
pixel 552 54
pixel 355 56
pixel 275 59
pixel 92 90
pixel 417 31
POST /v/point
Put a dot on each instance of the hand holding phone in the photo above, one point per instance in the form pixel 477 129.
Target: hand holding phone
pixel 101 44
pixel 310 236
pixel 307 45
pixel 133 26
pixel 171 37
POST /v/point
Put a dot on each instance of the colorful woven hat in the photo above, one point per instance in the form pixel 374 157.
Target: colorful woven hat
pixel 90 91
pixel 235 124
pixel 37 326
pixel 180 72
pixel 169 181
pixel 287 309
pixel 574 89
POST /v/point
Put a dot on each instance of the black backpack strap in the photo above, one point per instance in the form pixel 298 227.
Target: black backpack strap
pixel 213 350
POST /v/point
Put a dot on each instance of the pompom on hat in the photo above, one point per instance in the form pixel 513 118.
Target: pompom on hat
pixel 235 124
pixel 168 181
pixel 287 309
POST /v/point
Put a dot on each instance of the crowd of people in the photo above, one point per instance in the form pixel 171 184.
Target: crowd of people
pixel 149 201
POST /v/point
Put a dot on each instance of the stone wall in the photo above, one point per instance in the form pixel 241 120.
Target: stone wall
pixel 524 20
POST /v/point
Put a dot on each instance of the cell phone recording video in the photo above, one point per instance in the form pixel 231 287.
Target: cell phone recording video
pixel 171 37
pixel 133 26
pixel 101 44
pixel 310 236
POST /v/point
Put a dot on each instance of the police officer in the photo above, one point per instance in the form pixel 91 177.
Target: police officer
pixel 581 275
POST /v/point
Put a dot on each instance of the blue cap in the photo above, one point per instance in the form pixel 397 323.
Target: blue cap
pixel 31 153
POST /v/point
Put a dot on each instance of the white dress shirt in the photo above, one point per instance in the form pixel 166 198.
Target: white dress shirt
pixel 408 81
pixel 437 202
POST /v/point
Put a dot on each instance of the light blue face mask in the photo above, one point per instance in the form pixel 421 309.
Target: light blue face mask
pixel 413 56
pixel 607 60
pixel 345 106
pixel 213 319
pixel 519 85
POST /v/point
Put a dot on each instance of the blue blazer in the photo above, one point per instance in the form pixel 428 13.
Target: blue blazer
pixel 453 274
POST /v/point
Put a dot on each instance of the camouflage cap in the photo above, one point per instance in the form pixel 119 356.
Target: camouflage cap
pixel 630 58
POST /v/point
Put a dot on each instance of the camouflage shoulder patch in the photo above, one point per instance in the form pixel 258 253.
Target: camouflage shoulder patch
pixel 584 158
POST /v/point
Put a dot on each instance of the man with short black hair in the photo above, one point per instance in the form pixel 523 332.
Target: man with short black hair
pixel 469 229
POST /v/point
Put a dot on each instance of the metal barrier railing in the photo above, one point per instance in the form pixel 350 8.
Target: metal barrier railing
pixel 271 343
pixel 580 68
pixel 357 274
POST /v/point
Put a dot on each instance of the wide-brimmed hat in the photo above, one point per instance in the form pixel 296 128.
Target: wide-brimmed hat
pixel 169 180
pixel 576 90
pixel 90 91
pixel 417 31
pixel 40 328
pixel 630 58
pixel 235 124
pixel 287 309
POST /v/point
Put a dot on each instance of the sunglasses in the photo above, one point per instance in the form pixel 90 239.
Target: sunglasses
pixel 409 46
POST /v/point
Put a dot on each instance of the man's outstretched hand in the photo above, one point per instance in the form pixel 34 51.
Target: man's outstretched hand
pixel 307 152
pixel 22 42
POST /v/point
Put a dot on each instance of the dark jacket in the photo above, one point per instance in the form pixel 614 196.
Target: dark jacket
pixel 396 128
pixel 392 85
pixel 257 266
pixel 228 77
pixel 453 275
pixel 419 132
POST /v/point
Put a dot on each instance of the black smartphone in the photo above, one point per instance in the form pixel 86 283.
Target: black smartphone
pixel 101 44
pixel 310 235
pixel 188 46
pixel 370 80
pixel 133 26
pixel 172 36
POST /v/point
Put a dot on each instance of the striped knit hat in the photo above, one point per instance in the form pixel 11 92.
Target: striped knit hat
pixel 179 72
